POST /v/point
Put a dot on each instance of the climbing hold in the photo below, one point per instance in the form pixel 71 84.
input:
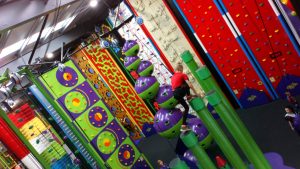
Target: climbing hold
pixel 261 4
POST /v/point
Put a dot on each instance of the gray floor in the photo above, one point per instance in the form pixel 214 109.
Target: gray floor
pixel 266 124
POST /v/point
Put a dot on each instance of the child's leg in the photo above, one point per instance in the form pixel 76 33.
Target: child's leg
pixel 186 110
pixel 179 95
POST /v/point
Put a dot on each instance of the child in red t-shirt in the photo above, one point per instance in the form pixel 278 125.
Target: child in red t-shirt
pixel 181 88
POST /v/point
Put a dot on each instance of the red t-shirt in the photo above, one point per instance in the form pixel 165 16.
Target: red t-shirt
pixel 178 79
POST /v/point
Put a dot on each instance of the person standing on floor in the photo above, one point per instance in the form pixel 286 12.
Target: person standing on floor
pixel 162 165
pixel 292 118
pixel 181 87
pixel 292 100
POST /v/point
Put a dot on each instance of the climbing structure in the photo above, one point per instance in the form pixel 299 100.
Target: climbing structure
pixel 41 136
pixel 291 17
pixel 164 31
pixel 7 158
pixel 13 143
pixel 168 119
pixel 103 64
pixel 80 103
pixel 268 41
pixel 148 51
pixel 22 122
pixel 223 48
pixel 249 48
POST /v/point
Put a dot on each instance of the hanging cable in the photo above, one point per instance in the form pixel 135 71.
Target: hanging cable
pixel 38 39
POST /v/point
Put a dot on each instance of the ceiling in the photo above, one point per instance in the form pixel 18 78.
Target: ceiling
pixel 23 20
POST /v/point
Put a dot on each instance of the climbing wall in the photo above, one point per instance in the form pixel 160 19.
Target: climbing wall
pixel 165 32
pixel 111 38
pixel 270 44
pixel 40 135
pixel 225 51
pixel 133 31
pixel 115 107
pixel 88 112
pixel 108 69
pixel 291 17
pixel 13 143
pixel 7 159
pixel 62 124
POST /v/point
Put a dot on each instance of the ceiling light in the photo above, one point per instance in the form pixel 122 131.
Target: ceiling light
pixel 49 55
pixel 93 3
pixel 17 45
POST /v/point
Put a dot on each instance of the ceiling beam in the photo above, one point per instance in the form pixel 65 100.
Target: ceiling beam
pixel 3 38
pixel 19 12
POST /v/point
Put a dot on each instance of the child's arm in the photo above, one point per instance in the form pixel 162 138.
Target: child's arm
pixel 291 125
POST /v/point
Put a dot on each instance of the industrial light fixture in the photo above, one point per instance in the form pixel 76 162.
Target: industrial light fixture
pixel 18 45
pixel 93 3
pixel 49 55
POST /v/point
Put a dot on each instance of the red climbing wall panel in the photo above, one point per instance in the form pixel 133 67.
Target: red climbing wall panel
pixel 115 79
pixel 225 51
pixel 9 138
pixel 268 41
pixel 22 116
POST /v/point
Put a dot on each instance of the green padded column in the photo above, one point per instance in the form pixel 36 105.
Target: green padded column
pixel 254 155
pixel 215 130
pixel 205 76
pixel 207 82
pixel 188 59
pixel 178 164
pixel 191 141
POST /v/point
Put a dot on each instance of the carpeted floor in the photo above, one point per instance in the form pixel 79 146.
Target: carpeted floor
pixel 266 124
